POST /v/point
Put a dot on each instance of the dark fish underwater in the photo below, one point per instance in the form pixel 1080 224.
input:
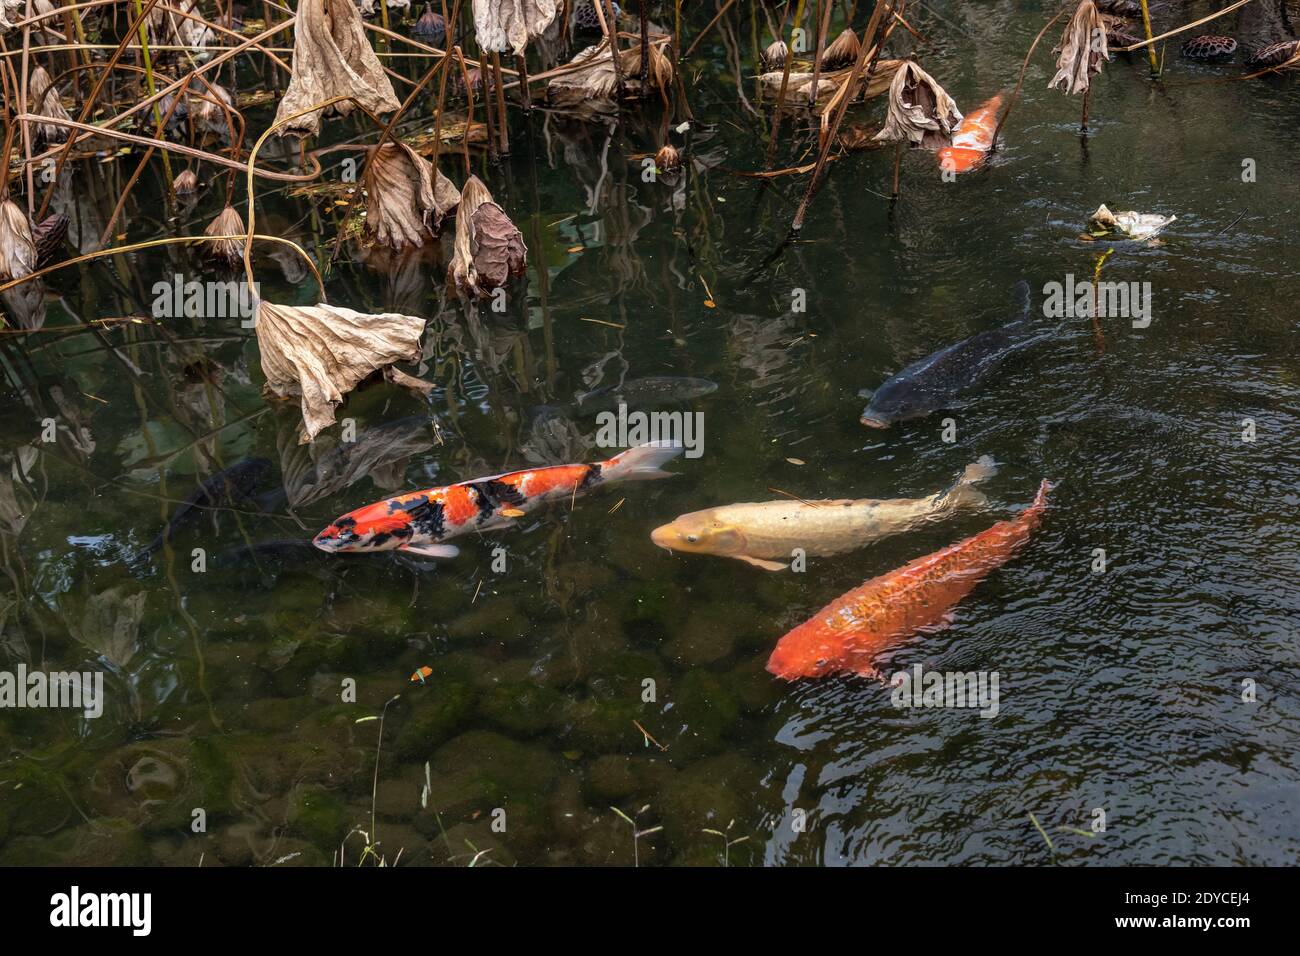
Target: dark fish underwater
pixel 228 485
pixel 942 378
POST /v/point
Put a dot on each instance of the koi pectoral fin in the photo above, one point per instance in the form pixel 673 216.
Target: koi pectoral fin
pixel 761 563
pixel 444 551
pixel 867 669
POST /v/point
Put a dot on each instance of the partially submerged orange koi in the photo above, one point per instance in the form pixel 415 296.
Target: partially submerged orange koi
pixel 420 521
pixel 847 634
pixel 973 139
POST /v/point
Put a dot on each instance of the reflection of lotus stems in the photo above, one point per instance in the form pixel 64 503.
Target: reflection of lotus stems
pixel 252 159
pixel 1015 95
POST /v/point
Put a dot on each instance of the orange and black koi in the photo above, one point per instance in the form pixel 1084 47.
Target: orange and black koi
pixel 420 521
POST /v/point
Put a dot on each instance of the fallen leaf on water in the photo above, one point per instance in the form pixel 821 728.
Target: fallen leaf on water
pixel 512 512
pixel 796 461
pixel 320 353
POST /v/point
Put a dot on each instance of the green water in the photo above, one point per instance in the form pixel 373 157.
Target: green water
pixel 1121 691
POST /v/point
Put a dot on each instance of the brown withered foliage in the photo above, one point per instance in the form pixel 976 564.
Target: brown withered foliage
pixel 406 198
pixel 226 252
pixel 320 353
pixel 1083 47
pixel 332 57
pixel 920 111
pixel 488 248
pixel 503 26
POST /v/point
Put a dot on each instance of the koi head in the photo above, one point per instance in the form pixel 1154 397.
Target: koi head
pixel 373 528
pixel 803 653
pixel 700 532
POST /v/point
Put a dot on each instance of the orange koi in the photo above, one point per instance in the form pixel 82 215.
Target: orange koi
pixel 421 673
pixel 420 521
pixel 973 139
pixel 848 633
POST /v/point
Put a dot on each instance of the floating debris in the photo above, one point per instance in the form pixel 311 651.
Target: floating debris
pixel 1126 225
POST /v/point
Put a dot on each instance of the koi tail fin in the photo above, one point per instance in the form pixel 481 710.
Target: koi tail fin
pixel 963 494
pixel 642 462
pixel 1034 513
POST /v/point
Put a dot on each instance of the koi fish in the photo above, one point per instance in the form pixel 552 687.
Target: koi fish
pixel 421 673
pixel 419 522
pixel 848 633
pixel 228 485
pixel 973 139
pixel 941 379
pixel 760 532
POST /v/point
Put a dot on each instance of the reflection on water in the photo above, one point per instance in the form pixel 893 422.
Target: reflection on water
pixel 597 670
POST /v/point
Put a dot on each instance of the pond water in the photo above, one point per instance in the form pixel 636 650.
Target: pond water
pixel 1157 698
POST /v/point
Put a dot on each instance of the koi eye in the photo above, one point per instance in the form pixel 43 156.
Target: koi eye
pixel 692 538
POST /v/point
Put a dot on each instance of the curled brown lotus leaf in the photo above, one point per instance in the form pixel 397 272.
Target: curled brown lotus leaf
pixel 406 198
pixel 44 99
pixel 17 248
pixel 592 82
pixel 488 248
pixel 660 73
pixel 592 78
pixel 503 26
pixel 1083 47
pixel 320 353
pixel 228 223
pixel 774 56
pixel 799 84
pixel 920 111
pixel 331 57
